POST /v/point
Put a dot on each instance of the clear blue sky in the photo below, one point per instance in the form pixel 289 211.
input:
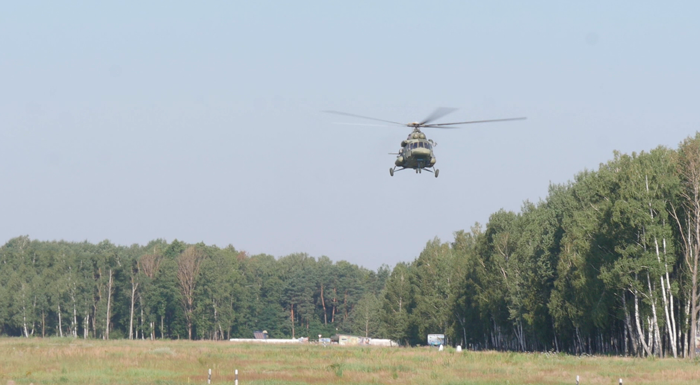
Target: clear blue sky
pixel 201 120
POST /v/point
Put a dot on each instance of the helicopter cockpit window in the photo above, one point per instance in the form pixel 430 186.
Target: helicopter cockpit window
pixel 414 145
pixel 428 146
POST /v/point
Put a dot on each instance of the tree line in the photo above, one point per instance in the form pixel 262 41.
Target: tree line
pixel 175 290
pixel 605 264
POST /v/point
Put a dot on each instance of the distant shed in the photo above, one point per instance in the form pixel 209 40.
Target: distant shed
pixel 345 339
pixel 271 340
pixel 260 335
pixel 383 342
pixel 436 339
pixel 349 340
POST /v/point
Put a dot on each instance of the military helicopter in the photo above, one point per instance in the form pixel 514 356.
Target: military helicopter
pixel 416 151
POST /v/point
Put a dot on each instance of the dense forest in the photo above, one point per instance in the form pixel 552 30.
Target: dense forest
pixel 605 264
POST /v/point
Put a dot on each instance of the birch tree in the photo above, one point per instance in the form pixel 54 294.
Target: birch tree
pixel 188 266
pixel 687 218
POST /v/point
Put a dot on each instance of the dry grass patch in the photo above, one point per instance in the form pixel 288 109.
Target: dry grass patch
pixel 64 360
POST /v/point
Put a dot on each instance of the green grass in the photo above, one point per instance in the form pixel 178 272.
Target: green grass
pixel 68 361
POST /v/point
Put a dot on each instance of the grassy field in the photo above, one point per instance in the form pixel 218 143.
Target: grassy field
pixel 57 361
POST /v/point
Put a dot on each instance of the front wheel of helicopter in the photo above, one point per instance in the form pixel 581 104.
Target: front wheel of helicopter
pixel 391 171
pixel 437 172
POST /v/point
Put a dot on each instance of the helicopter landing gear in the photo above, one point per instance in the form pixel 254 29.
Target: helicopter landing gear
pixel 391 170
pixel 434 171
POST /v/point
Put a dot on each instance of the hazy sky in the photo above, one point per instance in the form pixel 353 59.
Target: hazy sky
pixel 200 121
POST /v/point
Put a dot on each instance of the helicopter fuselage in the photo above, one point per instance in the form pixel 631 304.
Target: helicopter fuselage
pixel 416 152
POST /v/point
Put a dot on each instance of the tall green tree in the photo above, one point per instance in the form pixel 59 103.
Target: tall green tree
pixel 398 302
pixel 365 316
pixel 434 284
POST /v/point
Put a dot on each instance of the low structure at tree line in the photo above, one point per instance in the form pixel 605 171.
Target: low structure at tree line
pixel 261 335
pixel 266 340
pixel 349 340
pixel 436 339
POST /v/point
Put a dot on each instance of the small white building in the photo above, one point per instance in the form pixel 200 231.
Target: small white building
pixel 383 342
pixel 436 339
pixel 271 340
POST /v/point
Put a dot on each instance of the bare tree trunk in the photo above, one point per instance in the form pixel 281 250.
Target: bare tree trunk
pixel 694 270
pixel 140 322
pixel 94 318
pixel 24 321
pixel 216 320
pixel 694 308
pixel 625 334
pixel 580 347
pixel 60 324
pixel 640 331
pixel 628 326
pixel 74 326
pixel 24 313
pixel 686 333
pixel 334 305
pixel 134 287
pixel 86 329
pixel 668 304
pixel 109 304
pixel 655 321
pixel 650 336
pixel 292 317
pixel 33 312
pixel 693 264
pixel 323 303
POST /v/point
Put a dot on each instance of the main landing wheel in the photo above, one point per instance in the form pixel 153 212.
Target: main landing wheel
pixel 391 171
pixel 437 172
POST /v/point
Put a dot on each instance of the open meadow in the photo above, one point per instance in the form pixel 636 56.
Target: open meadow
pixel 56 361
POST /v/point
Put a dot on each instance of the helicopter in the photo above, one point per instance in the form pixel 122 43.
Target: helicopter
pixel 416 150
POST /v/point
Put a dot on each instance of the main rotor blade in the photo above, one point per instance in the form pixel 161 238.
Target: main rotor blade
pixel 363 124
pixel 443 125
pixel 437 114
pixel 363 117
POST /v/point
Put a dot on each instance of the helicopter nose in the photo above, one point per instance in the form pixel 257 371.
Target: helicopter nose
pixel 421 152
